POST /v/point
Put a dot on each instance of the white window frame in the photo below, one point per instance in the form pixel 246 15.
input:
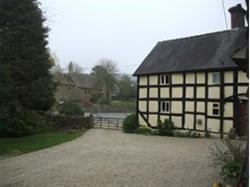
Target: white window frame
pixel 164 79
pixel 167 106
pixel 216 78
pixel 216 106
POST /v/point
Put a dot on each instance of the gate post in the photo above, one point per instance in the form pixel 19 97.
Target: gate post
pixel 101 121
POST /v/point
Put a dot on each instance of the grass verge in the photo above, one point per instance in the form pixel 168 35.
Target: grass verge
pixel 17 146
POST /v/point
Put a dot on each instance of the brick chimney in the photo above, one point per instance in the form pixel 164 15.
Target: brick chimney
pixel 237 16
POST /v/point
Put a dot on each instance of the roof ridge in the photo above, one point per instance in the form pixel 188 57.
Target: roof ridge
pixel 202 35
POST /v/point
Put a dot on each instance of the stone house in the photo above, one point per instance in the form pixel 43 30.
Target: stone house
pixel 74 86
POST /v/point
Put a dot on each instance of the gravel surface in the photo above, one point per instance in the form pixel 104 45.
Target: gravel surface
pixel 112 158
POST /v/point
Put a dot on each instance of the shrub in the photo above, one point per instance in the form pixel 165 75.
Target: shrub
pixel 188 134
pixel 3 127
pixel 71 109
pixel 143 130
pixel 130 124
pixel 195 135
pixel 207 134
pixel 180 134
pixel 16 126
pixel 229 158
pixel 24 124
pixel 166 128
pixel 20 127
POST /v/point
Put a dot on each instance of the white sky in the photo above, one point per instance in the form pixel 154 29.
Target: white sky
pixel 84 31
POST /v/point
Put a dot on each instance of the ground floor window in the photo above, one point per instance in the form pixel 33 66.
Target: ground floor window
pixel 216 109
pixel 165 106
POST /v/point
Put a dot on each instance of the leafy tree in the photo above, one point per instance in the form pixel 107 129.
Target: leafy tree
pixel 74 68
pixel 126 87
pixel 25 81
pixel 105 79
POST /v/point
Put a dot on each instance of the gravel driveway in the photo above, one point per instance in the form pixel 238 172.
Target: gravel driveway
pixel 112 158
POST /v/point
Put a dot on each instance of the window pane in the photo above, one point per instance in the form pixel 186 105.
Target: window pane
pixel 215 105
pixel 215 111
pixel 163 106
pixel 167 79
pixel 162 79
pixel 216 77
pixel 167 107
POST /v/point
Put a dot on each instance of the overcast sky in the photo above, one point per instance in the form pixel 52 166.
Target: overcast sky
pixel 84 31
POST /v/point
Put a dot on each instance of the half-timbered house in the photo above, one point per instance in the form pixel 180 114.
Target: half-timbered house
pixel 194 82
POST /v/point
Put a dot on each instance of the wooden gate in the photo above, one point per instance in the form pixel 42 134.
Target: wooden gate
pixel 108 123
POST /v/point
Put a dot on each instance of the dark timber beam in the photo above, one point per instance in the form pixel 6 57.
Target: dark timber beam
pixel 137 101
pixel 145 120
pixel 222 96
pixel 170 97
pixel 235 101
pixel 183 101
pixel 206 101
pixel 159 96
pixel 148 98
pixel 195 101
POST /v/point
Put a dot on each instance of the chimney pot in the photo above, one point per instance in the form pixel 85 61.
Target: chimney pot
pixel 237 16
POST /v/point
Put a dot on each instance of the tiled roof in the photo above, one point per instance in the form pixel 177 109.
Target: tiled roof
pixel 202 52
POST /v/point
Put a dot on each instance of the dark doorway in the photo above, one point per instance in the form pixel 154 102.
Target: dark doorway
pixel 243 109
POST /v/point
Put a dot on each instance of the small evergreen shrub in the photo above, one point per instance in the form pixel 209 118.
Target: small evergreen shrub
pixel 143 130
pixel 130 124
pixel 166 128
pixel 71 109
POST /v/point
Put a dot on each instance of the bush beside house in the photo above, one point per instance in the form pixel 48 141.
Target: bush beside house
pixel 164 129
pixel 228 157
pixel 130 124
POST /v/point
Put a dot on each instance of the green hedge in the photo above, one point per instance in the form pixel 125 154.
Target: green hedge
pixel 24 124
pixel 30 123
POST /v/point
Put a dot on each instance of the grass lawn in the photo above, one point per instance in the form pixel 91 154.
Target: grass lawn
pixel 17 146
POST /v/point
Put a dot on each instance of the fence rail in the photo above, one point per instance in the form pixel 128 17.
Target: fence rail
pixel 108 123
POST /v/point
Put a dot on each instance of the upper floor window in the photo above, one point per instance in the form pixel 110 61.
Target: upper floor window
pixel 165 79
pixel 165 106
pixel 216 78
pixel 216 109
